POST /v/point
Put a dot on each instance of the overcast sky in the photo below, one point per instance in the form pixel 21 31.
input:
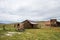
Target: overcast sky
pixel 19 10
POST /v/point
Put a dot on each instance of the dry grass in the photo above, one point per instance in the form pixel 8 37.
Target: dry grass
pixel 50 33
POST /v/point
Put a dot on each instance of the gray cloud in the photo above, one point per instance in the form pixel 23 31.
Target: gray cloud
pixel 29 9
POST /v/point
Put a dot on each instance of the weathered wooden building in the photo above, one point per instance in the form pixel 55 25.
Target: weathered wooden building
pixel 28 24
pixel 52 23
pixel 25 25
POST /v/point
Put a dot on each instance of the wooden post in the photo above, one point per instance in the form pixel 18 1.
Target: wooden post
pixel 4 27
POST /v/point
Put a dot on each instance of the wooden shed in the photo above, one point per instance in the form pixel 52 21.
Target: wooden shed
pixel 53 22
pixel 28 24
pixel 25 25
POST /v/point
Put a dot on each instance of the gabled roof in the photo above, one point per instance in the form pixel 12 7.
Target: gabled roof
pixel 32 22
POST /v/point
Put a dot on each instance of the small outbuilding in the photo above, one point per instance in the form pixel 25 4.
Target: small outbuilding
pixel 25 25
pixel 53 22
pixel 30 24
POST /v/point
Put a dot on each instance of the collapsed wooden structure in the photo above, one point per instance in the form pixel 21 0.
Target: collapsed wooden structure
pixel 25 25
pixel 52 22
